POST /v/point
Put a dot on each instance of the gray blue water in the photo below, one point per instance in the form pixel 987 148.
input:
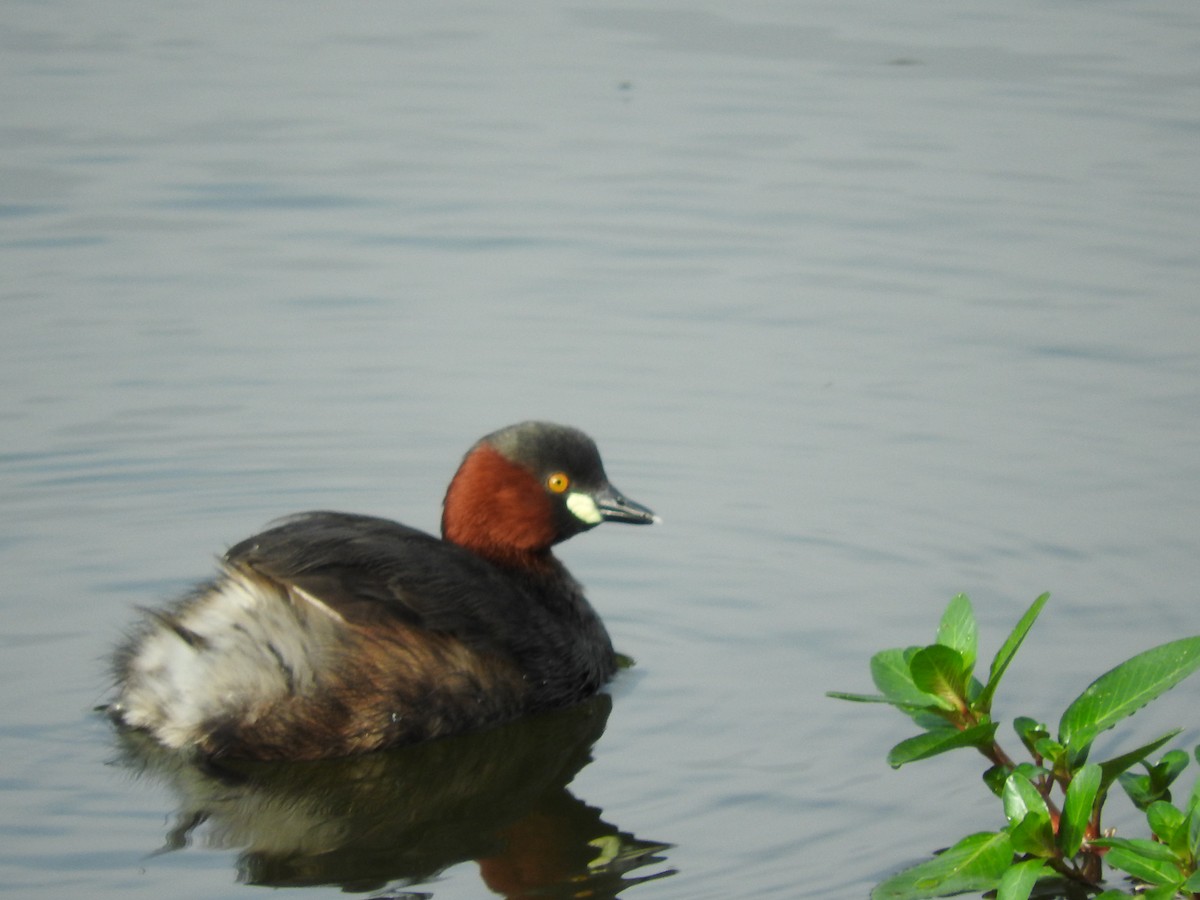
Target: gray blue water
pixel 872 304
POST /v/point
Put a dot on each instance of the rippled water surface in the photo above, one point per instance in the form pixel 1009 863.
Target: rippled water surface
pixel 873 304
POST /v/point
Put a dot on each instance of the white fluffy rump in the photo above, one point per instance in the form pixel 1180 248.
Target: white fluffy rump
pixel 231 651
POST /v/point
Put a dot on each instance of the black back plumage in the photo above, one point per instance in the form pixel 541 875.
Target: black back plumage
pixel 367 569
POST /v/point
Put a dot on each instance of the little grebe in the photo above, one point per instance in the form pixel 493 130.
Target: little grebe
pixel 332 634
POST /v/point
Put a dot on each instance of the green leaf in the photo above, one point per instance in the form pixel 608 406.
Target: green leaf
pixel 1156 783
pixel 939 670
pixel 1021 797
pixel 1077 808
pixel 1141 792
pixel 1030 731
pixel 974 689
pixel 930 716
pixel 1006 652
pixel 1162 892
pixel 1124 690
pixel 1166 770
pixel 1118 764
pixel 958 630
pixel 1137 846
pixel 1028 817
pixel 975 863
pixel 1018 881
pixel 893 677
pixel 1164 820
pixel 1193 821
pixel 1053 753
pixel 1033 835
pixel 1193 883
pixel 995 777
pixel 891 674
pixel 1194 797
pixel 923 746
pixel 1145 868
pixel 866 698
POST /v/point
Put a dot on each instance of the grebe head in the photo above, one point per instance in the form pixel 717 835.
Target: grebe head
pixel 526 487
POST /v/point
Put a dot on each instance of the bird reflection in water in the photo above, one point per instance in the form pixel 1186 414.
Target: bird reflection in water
pixel 400 817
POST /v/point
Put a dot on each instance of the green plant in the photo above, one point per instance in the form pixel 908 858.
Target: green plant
pixel 1052 803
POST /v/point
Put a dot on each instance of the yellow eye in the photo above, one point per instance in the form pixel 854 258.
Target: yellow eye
pixel 558 482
